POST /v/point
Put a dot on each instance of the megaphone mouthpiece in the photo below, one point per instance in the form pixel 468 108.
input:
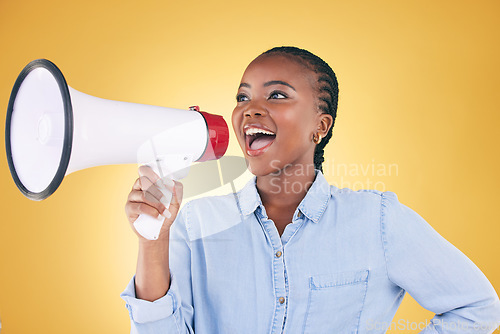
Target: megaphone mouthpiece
pixel 218 136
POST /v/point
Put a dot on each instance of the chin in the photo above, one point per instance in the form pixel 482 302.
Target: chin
pixel 263 168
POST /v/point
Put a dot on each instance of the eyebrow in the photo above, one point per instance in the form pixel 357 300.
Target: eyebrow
pixel 269 83
pixel 278 82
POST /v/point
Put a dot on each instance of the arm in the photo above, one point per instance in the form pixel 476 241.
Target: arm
pixel 153 295
pixel 440 277
pixel 152 279
pixel 172 311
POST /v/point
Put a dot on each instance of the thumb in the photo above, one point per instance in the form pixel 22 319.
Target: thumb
pixel 173 208
pixel 176 196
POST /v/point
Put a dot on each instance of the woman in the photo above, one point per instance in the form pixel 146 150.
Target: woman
pixel 294 254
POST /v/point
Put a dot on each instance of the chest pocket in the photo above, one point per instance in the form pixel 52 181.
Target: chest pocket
pixel 335 302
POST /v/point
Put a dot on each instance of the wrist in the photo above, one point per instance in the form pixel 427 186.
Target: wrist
pixel 163 237
pixel 158 246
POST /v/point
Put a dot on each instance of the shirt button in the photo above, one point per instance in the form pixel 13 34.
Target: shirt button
pixel 281 300
pixel 278 253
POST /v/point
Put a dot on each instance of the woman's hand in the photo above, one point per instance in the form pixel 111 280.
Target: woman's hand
pixel 147 198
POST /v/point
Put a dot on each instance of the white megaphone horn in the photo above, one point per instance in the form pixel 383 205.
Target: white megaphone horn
pixel 53 130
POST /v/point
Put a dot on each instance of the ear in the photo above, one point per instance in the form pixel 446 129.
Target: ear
pixel 325 122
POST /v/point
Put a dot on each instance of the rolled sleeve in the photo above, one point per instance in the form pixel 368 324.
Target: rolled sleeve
pixel 435 273
pixel 143 311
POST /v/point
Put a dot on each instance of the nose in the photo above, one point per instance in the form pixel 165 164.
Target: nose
pixel 254 110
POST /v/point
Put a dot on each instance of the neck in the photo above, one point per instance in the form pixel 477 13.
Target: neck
pixel 287 187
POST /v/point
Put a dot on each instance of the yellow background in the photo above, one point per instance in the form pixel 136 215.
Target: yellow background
pixel 418 88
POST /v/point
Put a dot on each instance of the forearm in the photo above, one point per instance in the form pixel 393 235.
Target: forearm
pixel 152 279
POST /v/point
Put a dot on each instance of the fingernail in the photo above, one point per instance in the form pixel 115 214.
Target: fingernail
pixel 160 217
pixel 166 214
pixel 168 183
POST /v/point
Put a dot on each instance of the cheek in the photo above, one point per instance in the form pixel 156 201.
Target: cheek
pixel 297 125
pixel 236 120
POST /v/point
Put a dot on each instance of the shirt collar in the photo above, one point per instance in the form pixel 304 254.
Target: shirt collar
pixel 312 205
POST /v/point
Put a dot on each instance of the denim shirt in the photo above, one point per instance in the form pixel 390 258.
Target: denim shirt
pixel 343 265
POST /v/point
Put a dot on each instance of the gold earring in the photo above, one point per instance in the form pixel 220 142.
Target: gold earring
pixel 317 140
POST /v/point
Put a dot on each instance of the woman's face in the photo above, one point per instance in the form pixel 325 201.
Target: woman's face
pixel 276 94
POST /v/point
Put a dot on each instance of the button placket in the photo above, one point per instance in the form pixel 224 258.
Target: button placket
pixel 286 237
pixel 280 290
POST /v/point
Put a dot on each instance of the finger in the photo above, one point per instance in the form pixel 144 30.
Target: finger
pixel 165 184
pixel 148 172
pixel 142 183
pixel 148 178
pixel 141 196
pixel 146 185
pixel 131 211
pixel 137 185
pixel 135 209
pixel 174 206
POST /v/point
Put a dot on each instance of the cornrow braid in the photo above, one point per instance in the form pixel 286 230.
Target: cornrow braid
pixel 327 89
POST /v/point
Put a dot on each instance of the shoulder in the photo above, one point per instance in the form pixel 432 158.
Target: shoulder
pixel 360 194
pixel 363 193
pixel 363 197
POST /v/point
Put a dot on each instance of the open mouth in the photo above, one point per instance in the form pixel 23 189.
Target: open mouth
pixel 259 141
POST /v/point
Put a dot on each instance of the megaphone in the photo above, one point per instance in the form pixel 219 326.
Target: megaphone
pixel 53 130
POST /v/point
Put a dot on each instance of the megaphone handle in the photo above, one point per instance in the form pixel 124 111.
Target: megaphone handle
pixel 147 226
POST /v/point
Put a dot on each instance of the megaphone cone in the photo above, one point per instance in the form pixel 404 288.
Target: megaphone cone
pixel 53 130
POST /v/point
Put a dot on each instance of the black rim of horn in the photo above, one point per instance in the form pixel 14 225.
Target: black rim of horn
pixel 68 128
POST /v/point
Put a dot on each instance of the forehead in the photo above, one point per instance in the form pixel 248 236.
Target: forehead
pixel 278 67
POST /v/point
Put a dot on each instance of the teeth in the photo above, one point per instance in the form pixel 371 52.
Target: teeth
pixel 253 131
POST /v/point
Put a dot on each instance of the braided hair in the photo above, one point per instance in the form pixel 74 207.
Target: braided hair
pixel 327 89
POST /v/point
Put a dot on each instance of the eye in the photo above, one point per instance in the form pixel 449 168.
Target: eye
pixel 277 95
pixel 241 98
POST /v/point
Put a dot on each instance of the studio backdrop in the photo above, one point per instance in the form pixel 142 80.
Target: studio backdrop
pixel 418 115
